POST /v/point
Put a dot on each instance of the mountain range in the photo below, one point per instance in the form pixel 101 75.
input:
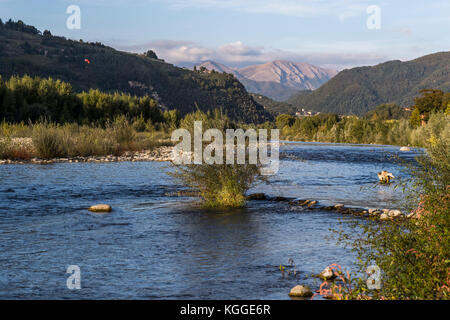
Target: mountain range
pixel 359 90
pixel 24 50
pixel 279 79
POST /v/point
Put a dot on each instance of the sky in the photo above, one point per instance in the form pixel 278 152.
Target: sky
pixel 335 34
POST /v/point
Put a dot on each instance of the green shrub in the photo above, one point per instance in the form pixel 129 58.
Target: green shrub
pixel 219 185
pixel 122 132
pixel 413 254
pixel 49 141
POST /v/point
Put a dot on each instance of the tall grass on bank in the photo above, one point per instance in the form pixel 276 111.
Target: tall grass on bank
pixel 51 140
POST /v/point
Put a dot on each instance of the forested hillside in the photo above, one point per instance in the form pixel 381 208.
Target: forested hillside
pixel 273 106
pixel 24 50
pixel 359 90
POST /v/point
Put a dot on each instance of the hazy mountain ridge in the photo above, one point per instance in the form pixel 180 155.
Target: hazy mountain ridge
pixel 279 79
pixel 359 90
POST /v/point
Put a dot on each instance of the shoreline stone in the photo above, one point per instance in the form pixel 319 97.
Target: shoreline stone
pixel 301 292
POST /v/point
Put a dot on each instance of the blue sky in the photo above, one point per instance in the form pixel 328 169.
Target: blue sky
pixel 329 33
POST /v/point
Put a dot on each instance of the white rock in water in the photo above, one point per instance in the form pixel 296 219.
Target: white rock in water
pixel 100 208
pixel 405 149
pixel 327 274
pixel 384 217
pixel 300 291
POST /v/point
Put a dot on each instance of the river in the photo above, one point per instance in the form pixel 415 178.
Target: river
pixel 155 245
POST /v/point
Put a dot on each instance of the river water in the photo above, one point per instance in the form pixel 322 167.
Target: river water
pixel 155 245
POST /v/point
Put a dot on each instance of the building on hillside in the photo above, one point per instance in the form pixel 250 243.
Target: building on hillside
pixel 306 113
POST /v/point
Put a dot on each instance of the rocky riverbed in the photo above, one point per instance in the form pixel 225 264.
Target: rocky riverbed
pixel 375 213
pixel 163 153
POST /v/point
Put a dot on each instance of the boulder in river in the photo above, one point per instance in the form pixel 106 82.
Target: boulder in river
pixel 405 149
pixel 98 208
pixel 384 217
pixel 300 291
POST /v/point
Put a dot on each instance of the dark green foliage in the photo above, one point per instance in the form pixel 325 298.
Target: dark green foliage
pixel 151 54
pixel 114 71
pixel 430 101
pixel 358 90
pixel 387 111
pixel 19 26
pixel 26 98
pixel 284 120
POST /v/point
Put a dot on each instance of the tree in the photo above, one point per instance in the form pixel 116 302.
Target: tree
pixel 151 54
pixel 387 112
pixel 284 120
pixel 414 120
pixel 430 101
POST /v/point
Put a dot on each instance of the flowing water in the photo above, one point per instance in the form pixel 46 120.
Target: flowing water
pixel 154 245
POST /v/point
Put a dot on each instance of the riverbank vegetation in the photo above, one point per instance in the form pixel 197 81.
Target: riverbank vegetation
pixel 334 129
pixel 413 255
pixel 26 99
pixel 430 118
pixel 48 140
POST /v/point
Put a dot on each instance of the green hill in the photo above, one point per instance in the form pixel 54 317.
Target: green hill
pixel 24 50
pixel 273 106
pixel 359 90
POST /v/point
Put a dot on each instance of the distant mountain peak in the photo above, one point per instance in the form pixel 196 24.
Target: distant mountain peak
pixel 277 79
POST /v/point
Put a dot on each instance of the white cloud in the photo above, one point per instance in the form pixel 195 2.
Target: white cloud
pixel 337 55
